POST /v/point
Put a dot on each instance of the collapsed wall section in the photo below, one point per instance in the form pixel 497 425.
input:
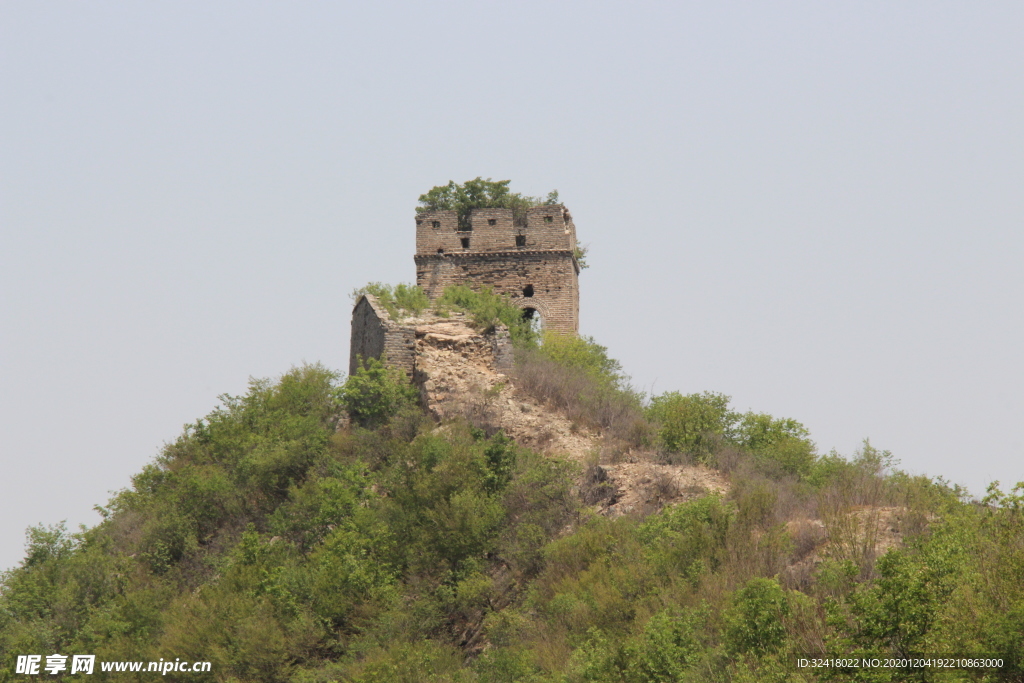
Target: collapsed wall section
pixel 401 343
pixel 376 335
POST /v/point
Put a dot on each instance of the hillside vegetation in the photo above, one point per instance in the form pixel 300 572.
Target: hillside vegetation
pixel 283 542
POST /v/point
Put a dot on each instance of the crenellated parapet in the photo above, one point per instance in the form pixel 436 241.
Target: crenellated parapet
pixel 531 258
pixel 543 228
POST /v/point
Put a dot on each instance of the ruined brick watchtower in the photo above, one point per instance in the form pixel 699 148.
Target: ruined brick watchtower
pixel 533 260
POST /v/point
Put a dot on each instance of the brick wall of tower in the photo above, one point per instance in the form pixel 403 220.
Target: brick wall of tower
pixel 551 273
pixel 492 250
pixel 546 228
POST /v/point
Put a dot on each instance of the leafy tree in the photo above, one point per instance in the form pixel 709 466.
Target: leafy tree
pixel 481 194
pixel 755 622
pixel 692 423
pixel 687 538
pixel 670 645
pixel 444 501
pixel 901 614
pixel 782 441
pixel 376 393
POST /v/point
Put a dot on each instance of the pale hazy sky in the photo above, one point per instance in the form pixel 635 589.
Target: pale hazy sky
pixel 814 207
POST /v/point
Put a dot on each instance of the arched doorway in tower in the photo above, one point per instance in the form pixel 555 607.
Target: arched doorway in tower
pixel 533 316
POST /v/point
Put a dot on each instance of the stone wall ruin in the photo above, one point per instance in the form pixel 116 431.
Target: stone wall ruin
pixel 375 335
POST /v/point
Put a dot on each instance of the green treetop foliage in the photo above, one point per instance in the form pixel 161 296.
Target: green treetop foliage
pixel 376 393
pixel 782 440
pixel 692 423
pixel 481 194
pixel 700 424
pixel 754 623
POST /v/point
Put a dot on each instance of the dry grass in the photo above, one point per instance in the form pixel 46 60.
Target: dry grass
pixel 480 408
pixel 582 398
pixel 596 487
pixel 665 488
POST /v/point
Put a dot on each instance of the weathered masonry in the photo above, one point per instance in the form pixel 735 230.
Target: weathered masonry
pixel 374 335
pixel 402 343
pixel 532 260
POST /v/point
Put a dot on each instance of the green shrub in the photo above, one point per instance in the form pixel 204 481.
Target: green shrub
pixel 440 502
pixel 236 632
pixel 192 503
pixel 687 537
pixel 376 393
pixel 755 622
pixel 348 577
pixel 776 442
pixel 670 644
pixel 487 309
pixel 575 375
pixel 693 423
pixel 539 501
pixel 499 665
pixel 313 510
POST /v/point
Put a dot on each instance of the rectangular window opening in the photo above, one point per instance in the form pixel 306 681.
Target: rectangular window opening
pixel 465 242
pixel 520 240
pixel 492 221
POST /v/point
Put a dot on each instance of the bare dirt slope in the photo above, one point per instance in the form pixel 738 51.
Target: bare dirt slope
pixel 455 368
pixel 457 377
